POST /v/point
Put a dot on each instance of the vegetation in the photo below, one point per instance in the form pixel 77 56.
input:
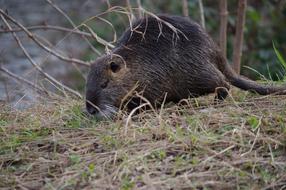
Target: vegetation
pixel 239 144
pixel 197 144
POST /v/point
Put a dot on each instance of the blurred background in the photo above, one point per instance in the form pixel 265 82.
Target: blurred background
pixel 265 25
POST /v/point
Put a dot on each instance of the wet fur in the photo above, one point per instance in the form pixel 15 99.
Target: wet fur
pixel 182 62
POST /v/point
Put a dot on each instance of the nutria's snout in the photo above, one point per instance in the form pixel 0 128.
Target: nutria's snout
pixel 92 100
pixel 103 111
pixel 91 109
pixel 99 105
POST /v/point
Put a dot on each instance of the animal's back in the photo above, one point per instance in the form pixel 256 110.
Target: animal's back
pixel 175 55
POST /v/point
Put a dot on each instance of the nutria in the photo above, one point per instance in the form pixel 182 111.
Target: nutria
pixel 168 58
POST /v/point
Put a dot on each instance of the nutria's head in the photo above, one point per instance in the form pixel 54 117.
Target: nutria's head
pixel 108 81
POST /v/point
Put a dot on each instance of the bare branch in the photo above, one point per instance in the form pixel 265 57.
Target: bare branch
pixel 223 26
pixel 23 80
pixel 61 12
pixel 202 14
pixel 238 41
pixel 84 24
pixel 34 38
pixel 129 6
pixel 48 27
pixel 50 78
pixel 108 4
pixel 73 25
pixel 130 10
pixel 98 39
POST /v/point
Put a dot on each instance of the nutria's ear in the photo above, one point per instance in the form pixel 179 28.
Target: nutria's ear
pixel 114 67
pixel 117 68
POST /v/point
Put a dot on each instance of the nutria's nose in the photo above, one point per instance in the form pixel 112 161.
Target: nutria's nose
pixel 92 97
pixel 90 108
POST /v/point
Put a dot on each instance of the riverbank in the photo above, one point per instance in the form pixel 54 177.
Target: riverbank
pixel 239 144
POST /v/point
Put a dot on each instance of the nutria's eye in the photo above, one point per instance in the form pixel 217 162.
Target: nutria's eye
pixel 114 67
pixel 104 84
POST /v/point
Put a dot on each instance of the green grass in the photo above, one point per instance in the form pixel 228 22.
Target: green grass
pixel 279 57
pixel 239 144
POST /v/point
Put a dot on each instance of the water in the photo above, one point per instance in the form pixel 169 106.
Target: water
pixel 39 12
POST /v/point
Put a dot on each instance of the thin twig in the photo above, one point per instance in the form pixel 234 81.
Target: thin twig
pixel 98 39
pixel 202 14
pixel 23 80
pixel 75 28
pixel 108 4
pixel 130 10
pixel 238 41
pixel 6 89
pixel 130 116
pixel 139 8
pixel 128 4
pixel 50 78
pixel 45 27
pixel 33 37
pixel 223 26
pixel 73 24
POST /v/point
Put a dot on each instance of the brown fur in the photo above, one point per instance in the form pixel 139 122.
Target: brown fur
pixel 164 55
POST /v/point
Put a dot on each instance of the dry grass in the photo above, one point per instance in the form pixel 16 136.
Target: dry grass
pixel 239 144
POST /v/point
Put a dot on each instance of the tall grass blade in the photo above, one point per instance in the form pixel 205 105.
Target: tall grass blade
pixel 279 56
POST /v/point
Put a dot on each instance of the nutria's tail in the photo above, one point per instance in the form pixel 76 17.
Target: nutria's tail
pixel 247 84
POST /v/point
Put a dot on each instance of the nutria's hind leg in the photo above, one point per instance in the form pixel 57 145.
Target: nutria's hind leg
pixel 221 92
